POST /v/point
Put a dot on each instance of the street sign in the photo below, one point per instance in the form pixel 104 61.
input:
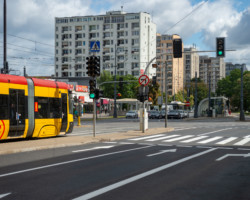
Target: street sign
pixel 187 103
pixel 143 80
pixel 95 46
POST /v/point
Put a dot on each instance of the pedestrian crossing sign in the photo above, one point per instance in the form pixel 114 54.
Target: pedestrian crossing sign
pixel 95 46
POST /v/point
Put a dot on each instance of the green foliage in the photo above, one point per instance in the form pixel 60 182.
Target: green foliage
pixel 202 90
pixel 230 87
pixel 129 89
pixel 154 91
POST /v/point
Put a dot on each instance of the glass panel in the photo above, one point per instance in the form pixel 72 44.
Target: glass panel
pixel 3 106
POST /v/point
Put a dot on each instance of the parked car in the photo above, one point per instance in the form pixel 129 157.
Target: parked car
pixel 132 114
pixel 174 114
pixel 154 114
pixel 182 114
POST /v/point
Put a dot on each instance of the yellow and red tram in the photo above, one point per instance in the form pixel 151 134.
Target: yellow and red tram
pixel 31 107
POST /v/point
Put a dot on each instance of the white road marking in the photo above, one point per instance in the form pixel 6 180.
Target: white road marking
pixel 139 176
pixel 227 140
pixel 109 142
pixel 94 148
pixel 71 161
pixel 146 137
pixel 125 143
pixel 194 139
pixel 227 155
pixel 247 136
pixel 242 142
pixel 161 138
pixel 214 131
pixel 4 195
pixel 181 129
pixel 179 138
pixel 161 152
pixel 210 140
pixel 243 149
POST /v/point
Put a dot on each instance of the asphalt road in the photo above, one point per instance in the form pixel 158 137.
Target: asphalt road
pixel 199 160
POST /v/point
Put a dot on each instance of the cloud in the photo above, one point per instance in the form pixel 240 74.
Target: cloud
pixel 34 19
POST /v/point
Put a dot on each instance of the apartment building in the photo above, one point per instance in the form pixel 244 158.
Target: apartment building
pixel 164 51
pixel 191 64
pixel 230 67
pixel 212 69
pixel 127 43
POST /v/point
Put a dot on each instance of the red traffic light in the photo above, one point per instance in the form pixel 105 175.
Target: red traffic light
pixel 149 99
pixel 119 94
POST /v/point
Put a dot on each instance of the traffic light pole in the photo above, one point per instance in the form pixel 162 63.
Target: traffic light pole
pixel 94 117
pixel 166 96
pixel 115 109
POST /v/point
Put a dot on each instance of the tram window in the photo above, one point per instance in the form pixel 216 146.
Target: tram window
pixel 43 107
pixel 55 108
pixel 3 106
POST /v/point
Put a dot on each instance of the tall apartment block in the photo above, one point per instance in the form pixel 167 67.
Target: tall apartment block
pixel 164 50
pixel 230 67
pixel 127 43
pixel 191 64
pixel 213 68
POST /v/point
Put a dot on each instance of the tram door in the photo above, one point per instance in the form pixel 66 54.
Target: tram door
pixel 64 113
pixel 17 112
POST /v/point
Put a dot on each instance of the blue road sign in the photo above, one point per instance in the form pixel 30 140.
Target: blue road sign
pixel 95 46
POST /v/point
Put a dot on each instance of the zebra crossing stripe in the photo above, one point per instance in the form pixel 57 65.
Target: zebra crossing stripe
pixel 147 137
pixel 194 139
pixel 227 140
pixel 161 138
pixel 178 138
pixel 242 142
pixel 210 140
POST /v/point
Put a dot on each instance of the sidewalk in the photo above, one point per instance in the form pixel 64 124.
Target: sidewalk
pixel 11 147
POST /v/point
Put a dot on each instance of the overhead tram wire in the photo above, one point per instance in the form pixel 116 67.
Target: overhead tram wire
pixel 29 52
pixel 185 16
pixel 30 40
pixel 165 32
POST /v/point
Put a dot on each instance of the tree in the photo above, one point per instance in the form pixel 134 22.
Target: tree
pixel 230 88
pixel 154 91
pixel 202 90
pixel 128 90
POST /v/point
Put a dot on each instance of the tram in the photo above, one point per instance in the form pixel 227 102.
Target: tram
pixel 31 107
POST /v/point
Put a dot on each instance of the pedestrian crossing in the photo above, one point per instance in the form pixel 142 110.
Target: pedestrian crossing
pixel 195 139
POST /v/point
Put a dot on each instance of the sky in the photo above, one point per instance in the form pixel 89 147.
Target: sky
pixel 31 26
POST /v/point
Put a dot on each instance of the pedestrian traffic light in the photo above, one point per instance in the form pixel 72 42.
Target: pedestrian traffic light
pixel 120 83
pixel 177 48
pixel 220 47
pixel 98 94
pixel 154 80
pixel 92 88
pixel 90 66
pixel 96 64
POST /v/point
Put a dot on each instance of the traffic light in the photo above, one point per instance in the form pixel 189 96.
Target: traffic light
pixel 98 94
pixel 154 80
pixel 177 48
pixel 119 94
pixel 149 99
pixel 92 88
pixel 90 66
pixel 96 64
pixel 120 83
pixel 220 47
